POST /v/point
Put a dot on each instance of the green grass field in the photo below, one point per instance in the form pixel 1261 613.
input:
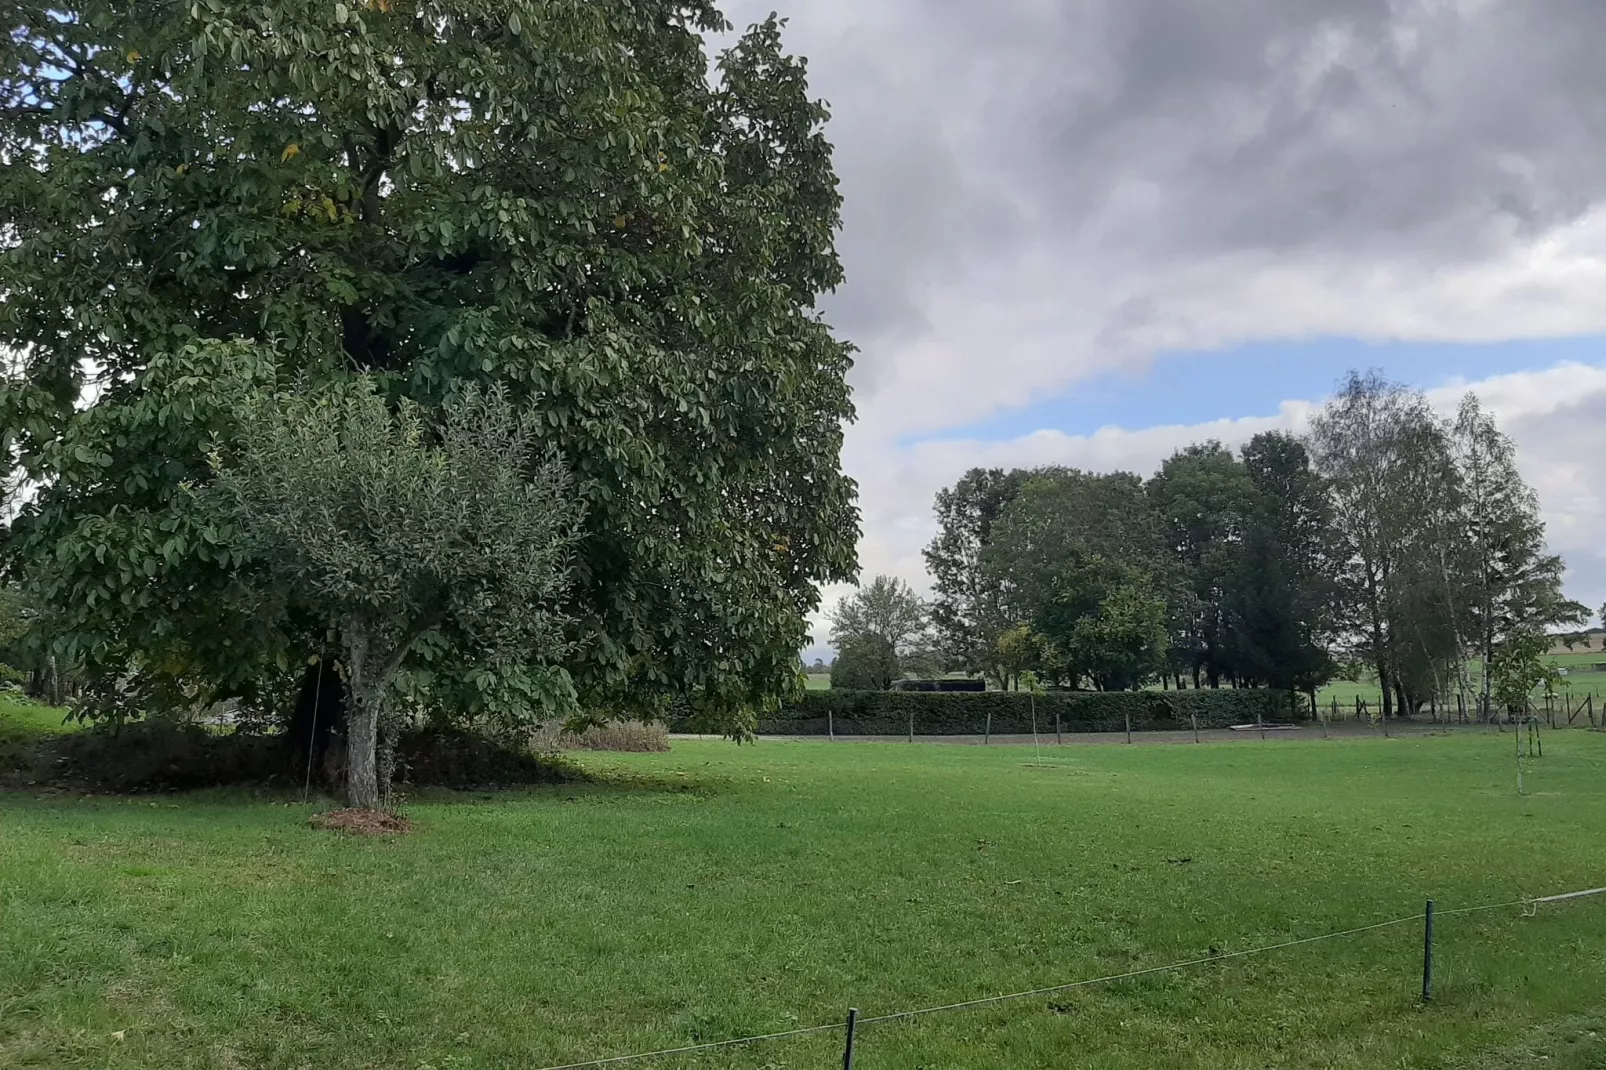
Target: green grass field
pixel 19 716
pixel 717 891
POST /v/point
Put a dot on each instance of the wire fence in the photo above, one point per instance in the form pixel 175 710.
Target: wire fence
pixel 1530 907
pixel 1558 710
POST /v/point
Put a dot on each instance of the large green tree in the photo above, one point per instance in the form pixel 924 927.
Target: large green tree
pixel 552 195
pixel 1079 557
pixel 1281 598
pixel 886 609
pixel 1387 461
pixel 967 609
pixel 1203 501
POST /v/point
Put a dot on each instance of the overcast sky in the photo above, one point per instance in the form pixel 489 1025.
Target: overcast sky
pixel 1089 231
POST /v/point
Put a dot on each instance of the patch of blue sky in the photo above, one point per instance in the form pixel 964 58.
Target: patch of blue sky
pixel 1255 379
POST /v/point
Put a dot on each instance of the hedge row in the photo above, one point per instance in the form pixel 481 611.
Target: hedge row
pixel 887 713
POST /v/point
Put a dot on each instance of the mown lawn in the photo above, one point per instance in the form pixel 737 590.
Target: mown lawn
pixel 717 891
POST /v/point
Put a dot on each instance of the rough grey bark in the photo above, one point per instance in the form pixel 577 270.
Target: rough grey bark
pixel 362 732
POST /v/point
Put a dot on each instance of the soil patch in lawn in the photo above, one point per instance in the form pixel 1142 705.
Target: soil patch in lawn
pixel 358 822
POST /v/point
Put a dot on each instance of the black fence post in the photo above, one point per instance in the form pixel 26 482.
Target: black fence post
pixel 1427 954
pixel 911 724
pixel 847 1052
pixel 987 732
pixel 1058 738
pixel 1129 726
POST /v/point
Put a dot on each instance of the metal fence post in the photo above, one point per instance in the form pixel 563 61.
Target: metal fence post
pixel 847 1052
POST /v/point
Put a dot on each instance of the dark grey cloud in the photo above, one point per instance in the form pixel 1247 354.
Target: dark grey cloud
pixel 1142 130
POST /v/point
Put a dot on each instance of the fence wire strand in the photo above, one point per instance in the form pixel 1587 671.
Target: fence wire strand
pixel 1530 906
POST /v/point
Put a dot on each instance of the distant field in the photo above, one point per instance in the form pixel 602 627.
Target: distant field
pixel 19 715
pixel 718 891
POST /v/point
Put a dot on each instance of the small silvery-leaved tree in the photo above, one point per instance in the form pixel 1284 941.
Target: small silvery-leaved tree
pixel 412 543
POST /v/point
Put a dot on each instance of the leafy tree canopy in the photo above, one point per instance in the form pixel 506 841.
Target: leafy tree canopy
pixel 443 555
pixel 866 663
pixel 544 194
pixel 886 609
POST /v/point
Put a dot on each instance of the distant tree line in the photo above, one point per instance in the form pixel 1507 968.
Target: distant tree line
pixel 1386 539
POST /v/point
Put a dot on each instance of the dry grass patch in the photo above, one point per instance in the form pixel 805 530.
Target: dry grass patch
pixel 612 736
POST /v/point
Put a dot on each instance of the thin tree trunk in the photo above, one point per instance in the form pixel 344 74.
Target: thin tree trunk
pixel 362 737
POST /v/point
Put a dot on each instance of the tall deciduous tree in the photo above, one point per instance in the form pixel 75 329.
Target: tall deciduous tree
pixel 1281 598
pixel 966 610
pixel 1512 586
pixel 1203 500
pixel 885 610
pixel 545 194
pixel 1386 458
pixel 1078 556
pixel 866 663
pixel 438 555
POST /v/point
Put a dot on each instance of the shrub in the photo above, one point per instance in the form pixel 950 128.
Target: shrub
pixel 162 754
pixel 874 713
pixel 611 735
pixel 156 755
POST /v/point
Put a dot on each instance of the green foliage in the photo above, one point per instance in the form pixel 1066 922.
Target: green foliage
pixel 1203 499
pixel 547 195
pixel 457 540
pixel 1281 599
pixel 1520 665
pixel 447 559
pixel 1510 585
pixel 868 663
pixel 1387 461
pixel 939 713
pixel 886 609
pixel 161 754
pixel 967 611
pixel 1014 654
pixel 1079 557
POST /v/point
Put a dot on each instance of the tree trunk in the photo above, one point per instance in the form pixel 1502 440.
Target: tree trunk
pixel 1386 685
pixel 362 735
